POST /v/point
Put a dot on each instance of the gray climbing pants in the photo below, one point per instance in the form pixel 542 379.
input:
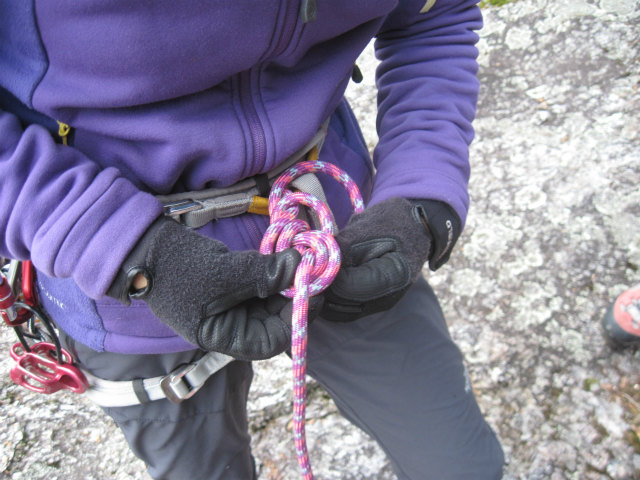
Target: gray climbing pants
pixel 398 376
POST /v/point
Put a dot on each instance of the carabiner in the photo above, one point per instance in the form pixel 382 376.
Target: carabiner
pixel 7 302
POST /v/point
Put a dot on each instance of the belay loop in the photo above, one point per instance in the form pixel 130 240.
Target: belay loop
pixel 318 267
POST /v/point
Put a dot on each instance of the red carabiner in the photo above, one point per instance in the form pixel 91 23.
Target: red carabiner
pixel 7 302
pixel 29 283
pixel 39 371
pixel 12 314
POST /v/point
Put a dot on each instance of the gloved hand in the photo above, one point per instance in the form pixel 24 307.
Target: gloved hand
pixel 383 251
pixel 220 300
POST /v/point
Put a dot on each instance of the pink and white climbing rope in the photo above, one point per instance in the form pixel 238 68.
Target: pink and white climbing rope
pixel 317 269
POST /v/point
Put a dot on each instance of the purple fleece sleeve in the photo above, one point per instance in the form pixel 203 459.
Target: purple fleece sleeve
pixel 57 207
pixel 427 94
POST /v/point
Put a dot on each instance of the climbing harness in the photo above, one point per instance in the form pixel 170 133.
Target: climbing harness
pixel 41 364
pixel 317 269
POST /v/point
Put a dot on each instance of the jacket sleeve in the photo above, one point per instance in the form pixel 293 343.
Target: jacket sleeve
pixel 427 94
pixel 59 208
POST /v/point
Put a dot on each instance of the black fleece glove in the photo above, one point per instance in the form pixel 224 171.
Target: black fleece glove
pixel 220 300
pixel 383 251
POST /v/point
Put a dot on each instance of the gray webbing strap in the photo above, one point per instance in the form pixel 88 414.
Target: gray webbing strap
pixel 177 386
pixel 197 208
pixel 309 183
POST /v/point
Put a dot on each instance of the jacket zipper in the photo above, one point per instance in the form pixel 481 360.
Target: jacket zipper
pixel 253 231
pixel 246 79
pixel 256 130
pixel 288 28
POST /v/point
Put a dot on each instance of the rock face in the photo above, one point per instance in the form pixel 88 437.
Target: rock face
pixel 553 235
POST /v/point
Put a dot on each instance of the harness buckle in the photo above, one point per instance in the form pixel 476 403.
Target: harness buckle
pixel 176 387
pixel 180 207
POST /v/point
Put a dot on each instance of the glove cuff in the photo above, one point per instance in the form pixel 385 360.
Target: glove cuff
pixel 443 226
pixel 122 288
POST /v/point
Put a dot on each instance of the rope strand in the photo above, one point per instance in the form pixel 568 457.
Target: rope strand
pixel 318 267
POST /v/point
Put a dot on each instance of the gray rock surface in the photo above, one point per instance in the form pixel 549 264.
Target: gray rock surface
pixel 553 235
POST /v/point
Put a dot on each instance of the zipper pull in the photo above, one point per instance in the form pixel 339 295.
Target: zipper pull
pixel 63 132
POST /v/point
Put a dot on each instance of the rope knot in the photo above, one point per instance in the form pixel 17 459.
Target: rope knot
pixel 320 251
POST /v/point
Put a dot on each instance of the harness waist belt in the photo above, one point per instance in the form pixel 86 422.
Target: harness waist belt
pixel 197 208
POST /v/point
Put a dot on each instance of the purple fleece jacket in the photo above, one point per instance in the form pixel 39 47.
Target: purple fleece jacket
pixel 166 96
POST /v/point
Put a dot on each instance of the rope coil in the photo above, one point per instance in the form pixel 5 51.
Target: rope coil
pixel 318 267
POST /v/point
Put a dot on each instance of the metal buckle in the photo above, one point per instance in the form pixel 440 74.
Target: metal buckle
pixel 176 387
pixel 175 209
